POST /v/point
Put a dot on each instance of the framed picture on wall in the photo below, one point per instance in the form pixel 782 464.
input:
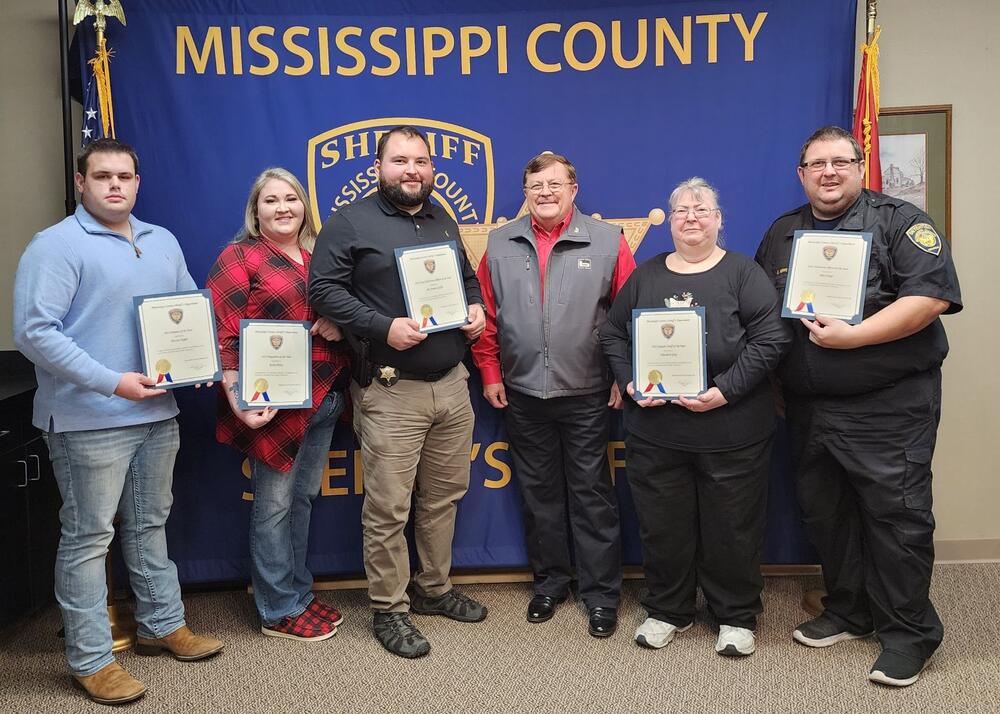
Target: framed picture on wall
pixel 915 153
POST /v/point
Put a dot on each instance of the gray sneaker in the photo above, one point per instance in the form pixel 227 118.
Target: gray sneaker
pixel 398 635
pixel 452 604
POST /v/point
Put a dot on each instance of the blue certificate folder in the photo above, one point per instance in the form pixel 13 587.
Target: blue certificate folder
pixel 262 392
pixel 813 286
pixel 423 313
pixel 162 366
pixel 656 383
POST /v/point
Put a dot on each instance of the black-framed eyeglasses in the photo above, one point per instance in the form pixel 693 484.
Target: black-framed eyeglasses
pixel 838 164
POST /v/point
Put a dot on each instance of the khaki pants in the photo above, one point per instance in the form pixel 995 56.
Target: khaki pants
pixel 416 438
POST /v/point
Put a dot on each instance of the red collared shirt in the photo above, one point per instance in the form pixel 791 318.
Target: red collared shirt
pixel 486 350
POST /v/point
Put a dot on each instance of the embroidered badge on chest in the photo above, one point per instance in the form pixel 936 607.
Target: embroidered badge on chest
pixel 925 237
pixel 583 264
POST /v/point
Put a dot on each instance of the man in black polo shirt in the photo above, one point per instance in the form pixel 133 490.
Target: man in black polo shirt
pixel 863 403
pixel 412 412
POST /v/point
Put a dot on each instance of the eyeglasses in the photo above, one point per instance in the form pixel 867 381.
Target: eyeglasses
pixel 701 213
pixel 554 186
pixel 839 164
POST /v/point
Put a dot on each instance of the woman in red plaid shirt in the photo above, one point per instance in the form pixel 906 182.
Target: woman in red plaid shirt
pixel 263 275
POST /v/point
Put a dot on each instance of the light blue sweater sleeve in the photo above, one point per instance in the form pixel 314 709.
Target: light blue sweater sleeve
pixel 46 283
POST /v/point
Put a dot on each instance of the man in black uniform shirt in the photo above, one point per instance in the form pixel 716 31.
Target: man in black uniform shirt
pixel 412 412
pixel 863 404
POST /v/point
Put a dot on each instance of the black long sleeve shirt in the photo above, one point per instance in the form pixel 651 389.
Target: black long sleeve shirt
pixel 745 339
pixel 354 279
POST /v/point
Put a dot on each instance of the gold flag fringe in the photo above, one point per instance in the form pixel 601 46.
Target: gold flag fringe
pixel 102 77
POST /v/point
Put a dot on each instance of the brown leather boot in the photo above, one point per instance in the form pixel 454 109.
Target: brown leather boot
pixel 182 644
pixel 111 685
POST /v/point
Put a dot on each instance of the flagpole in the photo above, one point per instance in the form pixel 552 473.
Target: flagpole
pixel 872 15
pixel 67 116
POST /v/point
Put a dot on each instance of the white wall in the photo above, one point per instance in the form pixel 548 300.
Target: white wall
pixel 31 171
pixel 934 52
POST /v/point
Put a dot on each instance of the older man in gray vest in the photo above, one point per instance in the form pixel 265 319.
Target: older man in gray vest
pixel 548 279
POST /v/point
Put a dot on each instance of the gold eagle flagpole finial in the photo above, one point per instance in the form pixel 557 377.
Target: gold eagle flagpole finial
pixel 100 10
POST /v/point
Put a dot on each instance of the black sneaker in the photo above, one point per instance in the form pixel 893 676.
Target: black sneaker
pixel 823 632
pixel 452 604
pixel 896 669
pixel 398 635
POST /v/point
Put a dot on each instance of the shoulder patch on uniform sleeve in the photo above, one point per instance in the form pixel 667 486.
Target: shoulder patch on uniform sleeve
pixel 925 237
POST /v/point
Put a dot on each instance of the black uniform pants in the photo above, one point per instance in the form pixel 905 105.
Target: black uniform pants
pixel 863 475
pixel 701 521
pixel 560 452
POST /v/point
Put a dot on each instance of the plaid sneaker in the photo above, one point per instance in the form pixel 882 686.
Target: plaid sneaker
pixel 307 627
pixel 321 609
pixel 398 635
pixel 452 604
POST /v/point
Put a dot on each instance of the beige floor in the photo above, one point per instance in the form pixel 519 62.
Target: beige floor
pixel 507 665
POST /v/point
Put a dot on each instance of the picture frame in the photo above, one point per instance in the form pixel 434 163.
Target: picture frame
pixel 915 154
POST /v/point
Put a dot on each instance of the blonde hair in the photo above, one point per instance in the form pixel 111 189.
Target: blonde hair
pixel 251 224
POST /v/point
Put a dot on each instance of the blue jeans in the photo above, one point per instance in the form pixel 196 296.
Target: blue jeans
pixel 128 471
pixel 279 519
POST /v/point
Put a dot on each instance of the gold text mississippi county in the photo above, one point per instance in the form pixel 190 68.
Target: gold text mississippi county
pixel 348 51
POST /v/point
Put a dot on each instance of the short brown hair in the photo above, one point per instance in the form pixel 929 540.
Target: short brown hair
pixel 830 133
pixel 410 132
pixel 105 146
pixel 543 161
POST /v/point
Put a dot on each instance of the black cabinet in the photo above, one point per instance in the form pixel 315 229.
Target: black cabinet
pixel 29 512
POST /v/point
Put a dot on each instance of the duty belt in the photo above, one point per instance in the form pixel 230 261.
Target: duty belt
pixel 388 376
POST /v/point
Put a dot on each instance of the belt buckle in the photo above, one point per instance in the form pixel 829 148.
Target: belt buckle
pixel 387 376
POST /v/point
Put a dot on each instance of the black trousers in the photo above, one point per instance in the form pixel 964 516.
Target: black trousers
pixel 560 452
pixel 701 521
pixel 863 476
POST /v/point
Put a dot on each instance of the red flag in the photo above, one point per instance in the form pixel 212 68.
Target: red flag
pixel 866 113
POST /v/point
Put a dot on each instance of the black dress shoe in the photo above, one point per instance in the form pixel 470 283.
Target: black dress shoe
pixel 542 607
pixel 602 621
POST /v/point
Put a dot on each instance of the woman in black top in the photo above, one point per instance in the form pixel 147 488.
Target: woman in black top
pixel 698 466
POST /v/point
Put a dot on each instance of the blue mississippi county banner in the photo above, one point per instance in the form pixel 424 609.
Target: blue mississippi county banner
pixel 639 96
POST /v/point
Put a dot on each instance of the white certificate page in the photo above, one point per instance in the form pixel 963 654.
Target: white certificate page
pixel 177 333
pixel 433 287
pixel 668 353
pixel 275 364
pixel 827 274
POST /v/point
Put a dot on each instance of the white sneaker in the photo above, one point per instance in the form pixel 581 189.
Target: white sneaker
pixel 735 641
pixel 656 633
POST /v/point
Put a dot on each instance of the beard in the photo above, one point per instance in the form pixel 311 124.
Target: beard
pixel 395 194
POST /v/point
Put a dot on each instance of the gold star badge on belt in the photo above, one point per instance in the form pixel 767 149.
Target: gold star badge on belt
pixel 387 375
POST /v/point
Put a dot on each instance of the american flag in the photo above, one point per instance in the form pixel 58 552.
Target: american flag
pixel 93 128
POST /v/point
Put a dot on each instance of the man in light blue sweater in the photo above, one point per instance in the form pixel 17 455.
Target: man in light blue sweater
pixel 112 436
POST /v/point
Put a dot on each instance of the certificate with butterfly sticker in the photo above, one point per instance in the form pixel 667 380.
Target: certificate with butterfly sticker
pixel 432 286
pixel 177 338
pixel 275 364
pixel 668 352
